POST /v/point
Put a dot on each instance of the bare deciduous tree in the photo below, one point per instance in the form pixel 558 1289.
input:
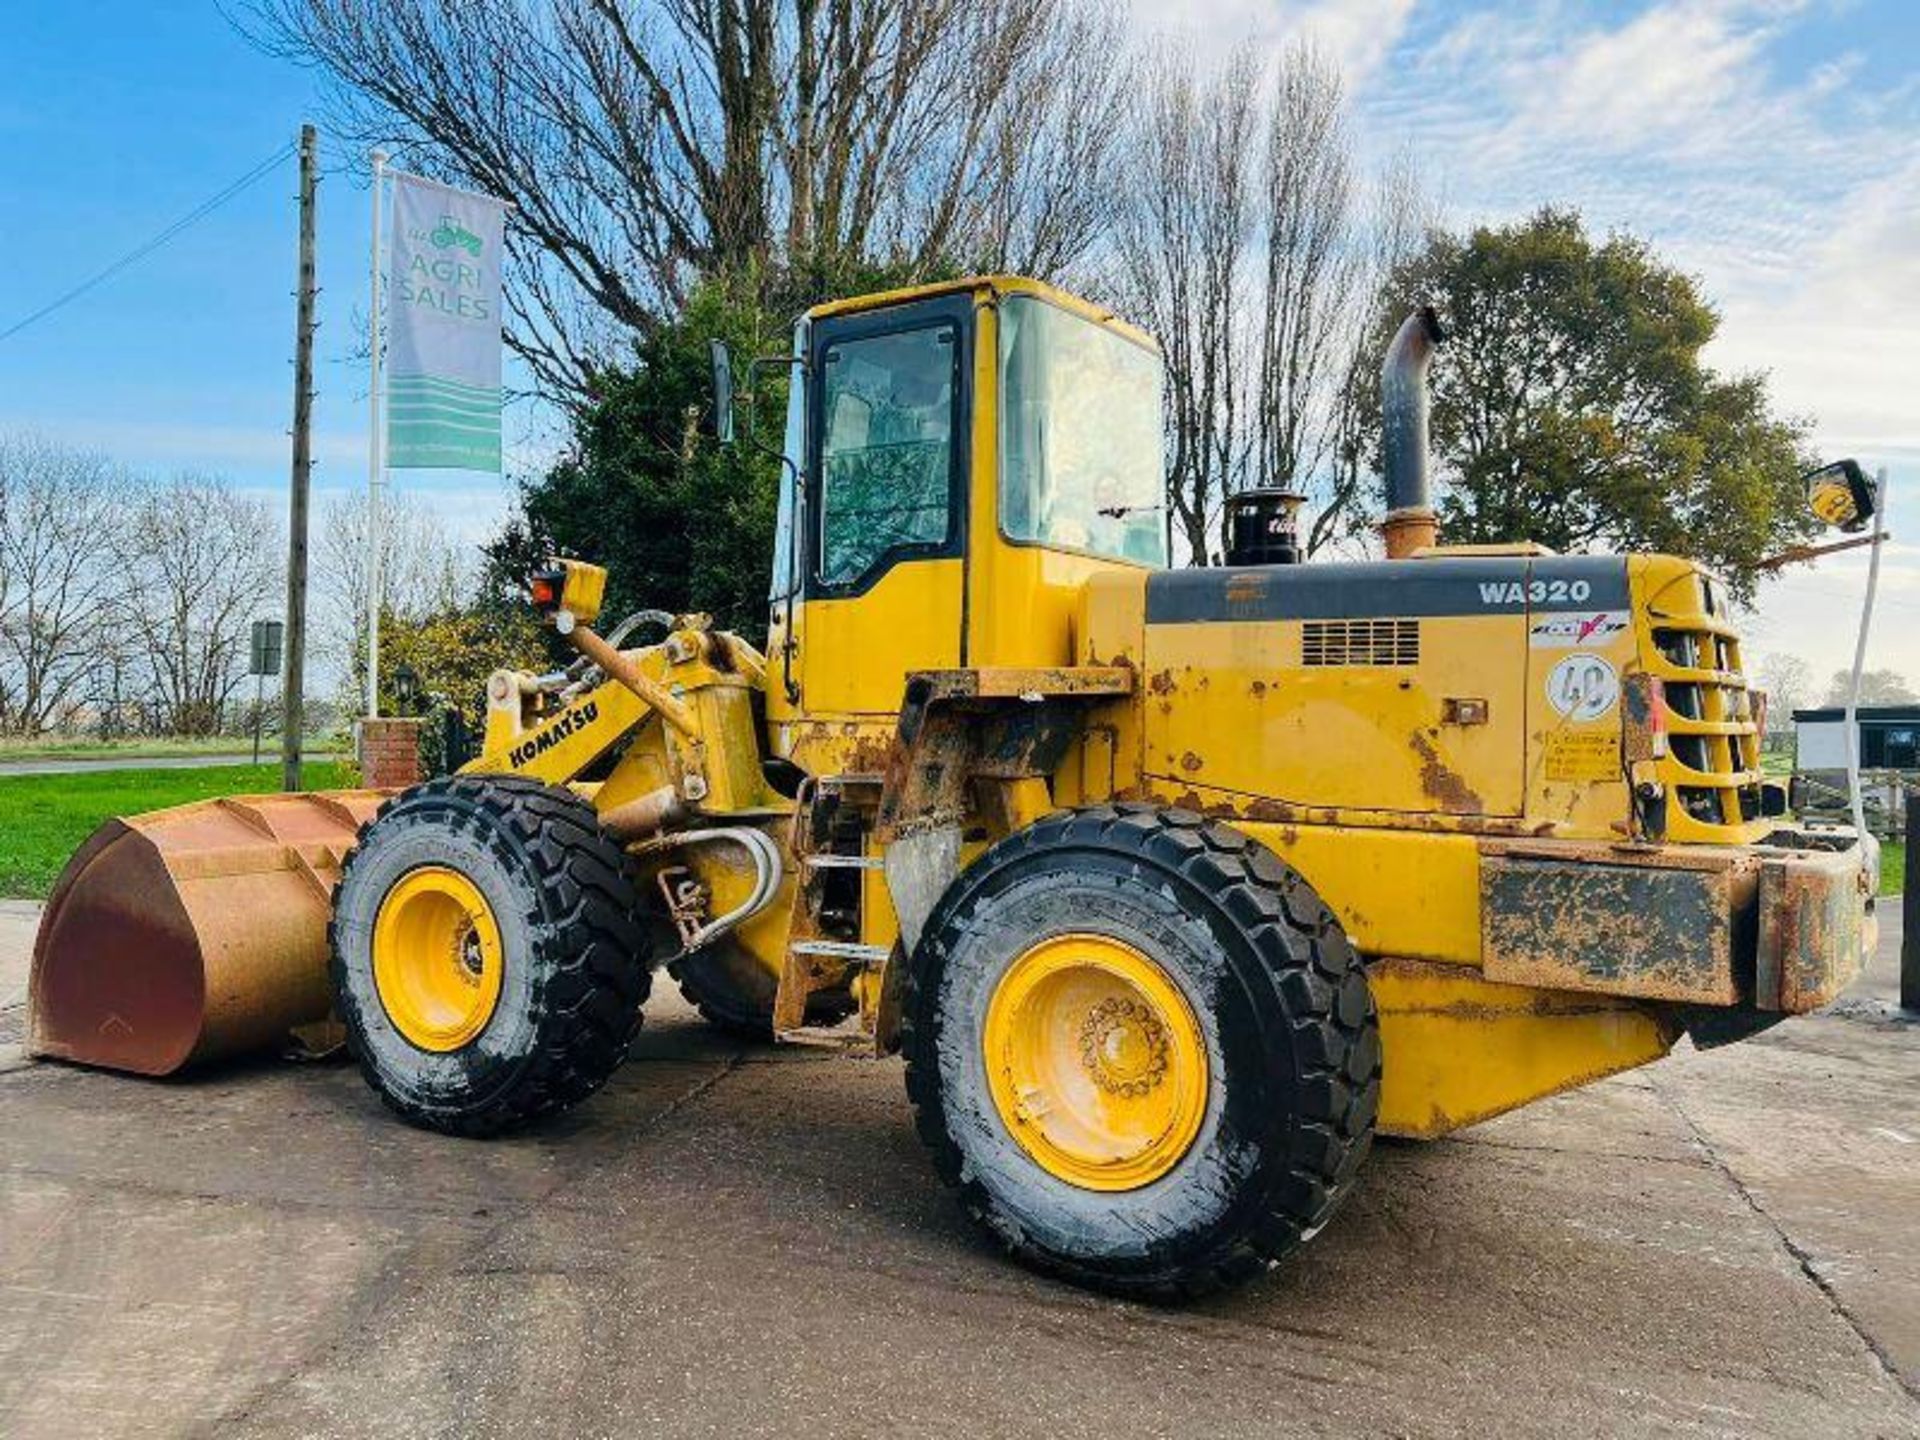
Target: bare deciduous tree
pixel 1788 683
pixel 422 571
pixel 1183 242
pixel 644 140
pixel 200 566
pixel 1257 257
pixel 59 514
pixel 1398 217
pixel 1313 257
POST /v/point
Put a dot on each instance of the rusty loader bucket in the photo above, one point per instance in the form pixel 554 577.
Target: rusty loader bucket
pixel 187 934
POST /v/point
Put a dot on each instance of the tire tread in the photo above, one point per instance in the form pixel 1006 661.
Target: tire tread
pixel 593 943
pixel 1317 982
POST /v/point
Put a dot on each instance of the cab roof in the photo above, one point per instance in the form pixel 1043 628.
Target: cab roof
pixel 986 288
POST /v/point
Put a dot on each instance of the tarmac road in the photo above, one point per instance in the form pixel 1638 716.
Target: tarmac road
pixel 735 1242
pixel 86 764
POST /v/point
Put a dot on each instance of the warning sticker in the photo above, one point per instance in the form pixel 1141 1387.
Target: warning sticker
pixel 1580 757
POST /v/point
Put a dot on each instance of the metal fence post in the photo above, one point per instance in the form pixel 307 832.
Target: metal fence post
pixel 1910 912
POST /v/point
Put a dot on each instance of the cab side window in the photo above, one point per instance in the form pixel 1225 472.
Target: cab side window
pixel 887 421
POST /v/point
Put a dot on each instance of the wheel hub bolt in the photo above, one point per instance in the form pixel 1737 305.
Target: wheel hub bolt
pixel 1123 1046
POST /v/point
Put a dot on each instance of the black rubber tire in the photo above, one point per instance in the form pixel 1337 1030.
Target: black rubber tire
pixel 1292 1038
pixel 576 968
pixel 734 992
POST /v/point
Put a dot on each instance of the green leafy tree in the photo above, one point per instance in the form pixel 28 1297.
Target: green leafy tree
pixel 452 651
pixel 1877 687
pixel 1571 406
pixel 681 523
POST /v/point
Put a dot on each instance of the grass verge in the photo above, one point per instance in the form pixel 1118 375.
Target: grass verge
pixel 1893 867
pixel 45 817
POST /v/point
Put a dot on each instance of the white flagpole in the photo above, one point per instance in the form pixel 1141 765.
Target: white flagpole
pixel 376 444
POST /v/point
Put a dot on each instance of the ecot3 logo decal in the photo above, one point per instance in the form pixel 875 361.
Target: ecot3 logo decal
pixel 576 719
pixel 1596 627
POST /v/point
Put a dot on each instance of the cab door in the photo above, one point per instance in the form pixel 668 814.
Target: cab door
pixel 886 489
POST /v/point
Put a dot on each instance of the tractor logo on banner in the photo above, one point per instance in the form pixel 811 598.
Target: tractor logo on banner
pixel 449 233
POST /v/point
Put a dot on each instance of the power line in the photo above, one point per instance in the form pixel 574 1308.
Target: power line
pixel 140 252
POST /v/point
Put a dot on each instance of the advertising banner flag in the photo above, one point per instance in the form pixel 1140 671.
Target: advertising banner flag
pixel 443 328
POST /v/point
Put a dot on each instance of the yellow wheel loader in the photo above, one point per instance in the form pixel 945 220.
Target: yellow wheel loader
pixel 1174 887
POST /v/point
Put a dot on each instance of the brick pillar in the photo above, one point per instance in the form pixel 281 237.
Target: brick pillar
pixel 389 751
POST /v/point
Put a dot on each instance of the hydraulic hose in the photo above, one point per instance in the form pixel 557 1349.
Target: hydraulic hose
pixel 618 636
pixel 767 874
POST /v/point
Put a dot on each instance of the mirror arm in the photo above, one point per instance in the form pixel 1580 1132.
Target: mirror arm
pixel 754 367
pixel 1795 554
pixel 797 536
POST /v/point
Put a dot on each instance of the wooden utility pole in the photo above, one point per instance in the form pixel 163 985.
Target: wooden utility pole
pixel 292 717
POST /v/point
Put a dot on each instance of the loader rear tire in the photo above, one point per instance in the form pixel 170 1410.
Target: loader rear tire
pixel 734 992
pixel 554 935
pixel 1142 1050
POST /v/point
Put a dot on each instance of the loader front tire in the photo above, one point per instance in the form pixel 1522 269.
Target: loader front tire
pixel 1142 1050
pixel 488 958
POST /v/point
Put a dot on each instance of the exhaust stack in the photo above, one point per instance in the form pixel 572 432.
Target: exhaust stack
pixel 1410 522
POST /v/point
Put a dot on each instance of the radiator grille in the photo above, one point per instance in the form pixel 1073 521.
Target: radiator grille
pixel 1712 769
pixel 1360 642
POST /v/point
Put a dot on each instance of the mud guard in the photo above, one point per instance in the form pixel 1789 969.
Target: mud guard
pixel 956 728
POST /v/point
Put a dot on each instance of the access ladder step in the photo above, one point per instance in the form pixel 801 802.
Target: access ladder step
pixel 827 860
pixel 848 1036
pixel 852 779
pixel 843 950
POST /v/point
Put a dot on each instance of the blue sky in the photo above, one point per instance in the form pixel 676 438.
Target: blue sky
pixel 119 118
pixel 1772 147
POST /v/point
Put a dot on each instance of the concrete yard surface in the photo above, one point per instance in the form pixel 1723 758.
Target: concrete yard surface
pixel 732 1241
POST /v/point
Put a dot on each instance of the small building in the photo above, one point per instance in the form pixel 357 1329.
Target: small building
pixel 1889 738
pixel 1889 762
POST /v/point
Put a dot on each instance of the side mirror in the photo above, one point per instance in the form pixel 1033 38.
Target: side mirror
pixel 722 392
pixel 1840 494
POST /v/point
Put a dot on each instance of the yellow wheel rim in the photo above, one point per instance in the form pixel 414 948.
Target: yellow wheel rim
pixel 436 958
pixel 1096 1062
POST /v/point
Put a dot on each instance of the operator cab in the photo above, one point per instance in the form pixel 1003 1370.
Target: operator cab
pixel 958 460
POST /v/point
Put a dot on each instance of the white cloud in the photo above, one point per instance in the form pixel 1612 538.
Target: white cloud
pixel 1677 74
pixel 1838 327
pixel 1359 34
pixel 257 459
pixel 166 446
